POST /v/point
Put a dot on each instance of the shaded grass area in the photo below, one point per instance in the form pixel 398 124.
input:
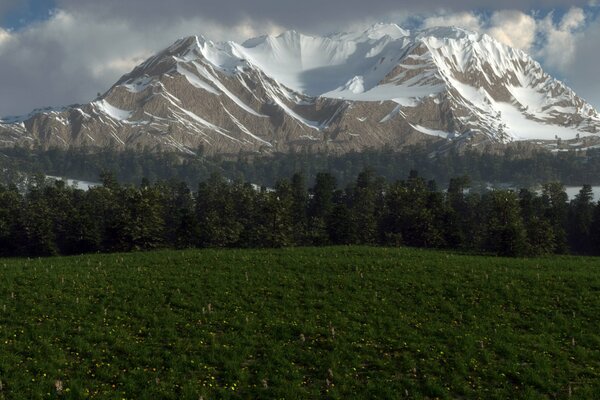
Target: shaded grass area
pixel 346 322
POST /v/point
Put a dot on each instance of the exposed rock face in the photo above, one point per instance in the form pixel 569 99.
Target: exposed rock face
pixel 344 92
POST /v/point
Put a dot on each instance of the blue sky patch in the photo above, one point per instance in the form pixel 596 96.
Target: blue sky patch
pixel 28 12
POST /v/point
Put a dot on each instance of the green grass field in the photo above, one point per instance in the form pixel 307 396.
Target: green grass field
pixel 299 323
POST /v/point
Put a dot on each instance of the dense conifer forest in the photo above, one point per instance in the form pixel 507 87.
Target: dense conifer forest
pixel 522 167
pixel 51 218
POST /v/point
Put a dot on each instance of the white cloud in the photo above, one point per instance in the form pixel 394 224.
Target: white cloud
pixel 72 56
pixel 572 20
pixel 560 40
pixel 513 28
pixel 5 36
pixel 582 75
pixel 466 20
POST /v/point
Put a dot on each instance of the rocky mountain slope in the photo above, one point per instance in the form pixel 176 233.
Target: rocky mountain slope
pixel 343 92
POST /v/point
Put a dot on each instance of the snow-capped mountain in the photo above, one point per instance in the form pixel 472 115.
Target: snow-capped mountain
pixel 348 91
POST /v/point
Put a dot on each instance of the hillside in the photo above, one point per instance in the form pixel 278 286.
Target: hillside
pixel 348 322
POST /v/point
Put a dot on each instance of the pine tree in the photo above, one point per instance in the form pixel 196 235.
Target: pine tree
pixel 340 228
pixel 554 199
pixel 581 213
pixel 215 212
pixel 180 224
pixel 299 211
pixel 409 218
pixel 37 224
pixel 278 213
pixel 504 234
pixel 364 197
pixel 11 206
pixel 540 234
pixel 456 220
pixel 320 207
pixel 595 231
pixel 145 224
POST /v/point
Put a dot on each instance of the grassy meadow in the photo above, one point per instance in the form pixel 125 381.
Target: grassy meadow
pixel 339 323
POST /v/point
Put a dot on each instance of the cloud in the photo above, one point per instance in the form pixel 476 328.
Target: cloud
pixel 5 36
pixel 511 27
pixel 582 72
pixel 467 20
pixel 302 15
pixel 560 40
pixel 85 46
pixel 72 56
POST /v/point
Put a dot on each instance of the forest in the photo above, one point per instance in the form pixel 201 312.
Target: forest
pixel 517 165
pixel 51 218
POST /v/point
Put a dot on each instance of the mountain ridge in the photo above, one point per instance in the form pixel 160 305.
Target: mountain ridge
pixel 341 92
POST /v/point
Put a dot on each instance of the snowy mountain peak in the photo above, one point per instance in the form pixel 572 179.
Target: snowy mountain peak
pixel 381 30
pixel 374 32
pixel 341 92
pixel 451 33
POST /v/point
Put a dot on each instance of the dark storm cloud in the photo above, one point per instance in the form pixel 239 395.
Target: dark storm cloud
pixel 292 14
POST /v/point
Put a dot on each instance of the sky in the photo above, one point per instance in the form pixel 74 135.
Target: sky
pixel 60 52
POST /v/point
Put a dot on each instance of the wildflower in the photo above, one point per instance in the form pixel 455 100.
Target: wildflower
pixel 58 386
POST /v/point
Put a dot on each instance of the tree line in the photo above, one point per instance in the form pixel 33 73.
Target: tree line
pixel 515 165
pixel 52 218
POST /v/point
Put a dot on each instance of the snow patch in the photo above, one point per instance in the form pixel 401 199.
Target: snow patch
pixel 433 132
pixel 112 111
pixel 195 81
pixel 244 129
pixel 138 85
pixel 206 74
pixel 294 115
pixel 356 85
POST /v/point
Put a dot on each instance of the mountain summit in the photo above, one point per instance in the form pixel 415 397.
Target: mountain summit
pixel 342 92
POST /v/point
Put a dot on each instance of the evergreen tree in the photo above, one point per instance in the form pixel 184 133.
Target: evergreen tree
pixel 581 213
pixel 215 213
pixel 299 211
pixel 364 198
pixel 409 218
pixel 595 231
pixel 247 205
pixel 278 217
pixel 504 234
pixel 86 228
pixel 554 199
pixel 540 234
pixel 320 207
pixel 38 233
pixel 11 206
pixel 180 226
pixel 340 228
pixel 456 219
pixel 145 224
